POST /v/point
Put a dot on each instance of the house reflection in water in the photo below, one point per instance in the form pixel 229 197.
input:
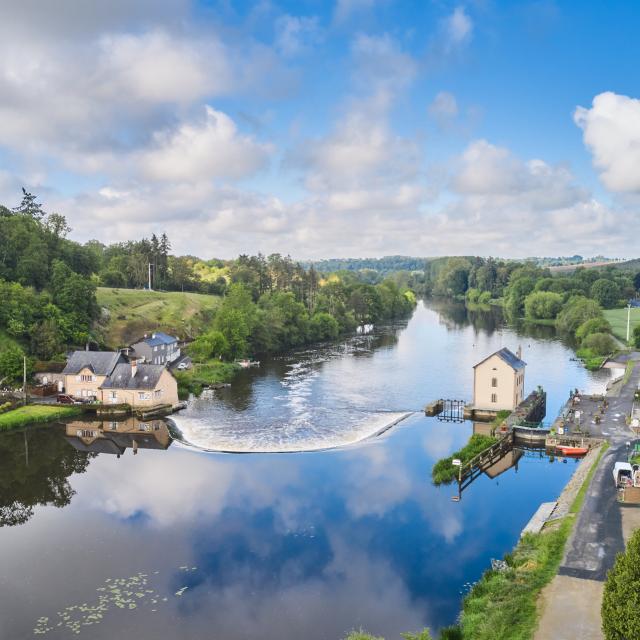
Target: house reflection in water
pixel 116 436
pixel 509 460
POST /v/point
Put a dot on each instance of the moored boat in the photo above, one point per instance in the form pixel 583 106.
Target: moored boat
pixel 571 451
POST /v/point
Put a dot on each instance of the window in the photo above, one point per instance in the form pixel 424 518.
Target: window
pixel 114 426
pixel 494 397
pixel 494 382
pixel 142 396
pixel 155 348
pixel 86 378
pixel 158 393
pixel 87 433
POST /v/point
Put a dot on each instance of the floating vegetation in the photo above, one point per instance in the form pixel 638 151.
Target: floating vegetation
pixel 116 593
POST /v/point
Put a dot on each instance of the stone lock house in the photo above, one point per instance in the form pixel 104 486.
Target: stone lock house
pixel 107 377
pixel 498 381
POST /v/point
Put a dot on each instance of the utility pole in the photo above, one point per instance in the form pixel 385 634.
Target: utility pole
pixel 24 378
pixel 150 277
pixel 628 320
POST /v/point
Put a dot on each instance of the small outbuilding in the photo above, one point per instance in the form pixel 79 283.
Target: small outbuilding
pixel 498 381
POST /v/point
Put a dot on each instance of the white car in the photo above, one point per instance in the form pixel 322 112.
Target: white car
pixel 182 366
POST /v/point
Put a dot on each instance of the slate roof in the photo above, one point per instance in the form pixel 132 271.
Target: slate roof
pixel 147 376
pixel 101 363
pixel 159 338
pixel 507 356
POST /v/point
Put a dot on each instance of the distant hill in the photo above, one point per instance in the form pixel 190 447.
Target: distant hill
pixel 629 265
pixel 130 313
pixel 388 264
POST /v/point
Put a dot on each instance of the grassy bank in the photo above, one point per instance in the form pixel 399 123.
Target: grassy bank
pixel 444 472
pixel 134 312
pixel 617 318
pixel 24 416
pixel 203 375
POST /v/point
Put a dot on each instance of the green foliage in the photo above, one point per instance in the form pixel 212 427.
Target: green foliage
pixel 209 345
pixel 362 635
pixel 12 365
pixel 425 634
pixel 636 336
pixel 600 344
pixel 444 472
pixel 621 599
pixel 35 413
pixel 204 375
pixel 323 326
pixel 605 292
pixel 576 311
pixel 542 305
pixel 595 325
pixel 502 605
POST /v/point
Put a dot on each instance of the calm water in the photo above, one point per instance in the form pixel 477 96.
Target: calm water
pixel 184 543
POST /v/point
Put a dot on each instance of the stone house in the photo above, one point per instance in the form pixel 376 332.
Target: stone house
pixel 107 377
pixel 86 371
pixel 159 348
pixel 498 381
pixel 140 385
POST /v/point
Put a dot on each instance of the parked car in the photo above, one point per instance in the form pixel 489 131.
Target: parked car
pixel 182 366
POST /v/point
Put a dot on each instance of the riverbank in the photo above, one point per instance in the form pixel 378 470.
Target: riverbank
pixel 35 413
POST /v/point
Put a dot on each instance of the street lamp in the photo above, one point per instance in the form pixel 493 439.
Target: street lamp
pixel 628 321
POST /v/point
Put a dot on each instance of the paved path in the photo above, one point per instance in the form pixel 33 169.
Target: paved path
pixel 571 602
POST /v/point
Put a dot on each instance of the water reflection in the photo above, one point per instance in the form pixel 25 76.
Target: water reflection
pixel 36 465
pixel 116 436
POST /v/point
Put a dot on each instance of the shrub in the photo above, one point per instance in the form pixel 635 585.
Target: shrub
pixel 484 297
pixel 636 336
pixel 595 325
pixel 599 343
pixel 621 600
pixel 575 312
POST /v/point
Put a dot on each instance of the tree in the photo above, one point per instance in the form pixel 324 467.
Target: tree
pixel 599 343
pixel 12 364
pixel 595 325
pixel 636 336
pixel 606 293
pixel 323 327
pixel 636 281
pixel 29 207
pixel 621 599
pixel 207 346
pixel 542 305
pixel 577 310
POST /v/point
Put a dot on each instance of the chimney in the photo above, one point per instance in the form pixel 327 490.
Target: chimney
pixel 134 367
pixel 519 354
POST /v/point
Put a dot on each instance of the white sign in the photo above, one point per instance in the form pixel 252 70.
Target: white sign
pixel 455 462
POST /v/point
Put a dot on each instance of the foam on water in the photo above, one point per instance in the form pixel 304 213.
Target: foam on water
pixel 296 436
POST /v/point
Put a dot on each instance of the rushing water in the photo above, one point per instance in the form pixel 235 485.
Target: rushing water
pixel 176 542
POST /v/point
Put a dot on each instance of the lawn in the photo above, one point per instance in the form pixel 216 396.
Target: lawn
pixel 134 312
pixel 617 318
pixel 23 416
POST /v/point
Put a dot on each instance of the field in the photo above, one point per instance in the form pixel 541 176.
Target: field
pixel 617 318
pixel 134 312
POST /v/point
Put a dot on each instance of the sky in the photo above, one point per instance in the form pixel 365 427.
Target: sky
pixel 351 128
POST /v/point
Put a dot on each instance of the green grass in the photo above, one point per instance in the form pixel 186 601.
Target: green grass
pixel 202 375
pixel 134 312
pixel 444 472
pixel 32 413
pixel 628 370
pixel 617 318
pixel 582 493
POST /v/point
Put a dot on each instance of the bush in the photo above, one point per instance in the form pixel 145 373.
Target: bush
pixel 600 344
pixel 443 471
pixel 621 600
pixel 636 336
pixel 575 312
pixel 542 305
pixel 595 325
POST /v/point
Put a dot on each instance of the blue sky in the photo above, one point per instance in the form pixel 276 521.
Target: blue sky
pixel 346 128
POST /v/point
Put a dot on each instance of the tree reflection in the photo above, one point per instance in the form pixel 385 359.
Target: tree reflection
pixel 36 464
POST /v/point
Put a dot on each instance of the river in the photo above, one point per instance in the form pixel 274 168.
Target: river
pixel 349 532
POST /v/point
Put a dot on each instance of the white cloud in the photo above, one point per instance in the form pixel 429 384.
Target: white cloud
pixel 203 150
pixel 611 131
pixel 345 9
pixel 296 34
pixel 158 67
pixel 458 28
pixel 444 108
